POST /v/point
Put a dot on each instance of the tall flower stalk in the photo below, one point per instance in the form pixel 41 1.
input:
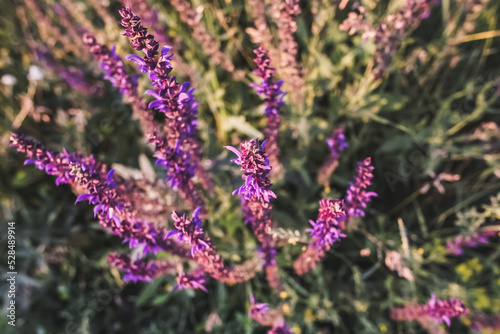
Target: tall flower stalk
pixel 116 73
pixel 255 195
pixel 180 153
pixel 272 95
pixel 325 231
pixel 204 253
pixel 333 217
pixel 107 192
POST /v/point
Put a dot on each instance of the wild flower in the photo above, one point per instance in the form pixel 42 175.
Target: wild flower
pixel 195 280
pixel 180 153
pixel 263 314
pixel 273 99
pixel 284 14
pixel 440 310
pixel 325 231
pixel 109 194
pixel 116 73
pixel 357 197
pixel 255 195
pixel 191 232
pixel 336 144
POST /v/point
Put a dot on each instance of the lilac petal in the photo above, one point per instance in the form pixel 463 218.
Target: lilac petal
pixel 29 161
pixel 153 93
pixel 235 151
pixel 136 59
pixel 109 177
pixel 171 233
pixel 84 197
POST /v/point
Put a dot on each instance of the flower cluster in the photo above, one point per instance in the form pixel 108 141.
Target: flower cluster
pixel 110 195
pixel 255 195
pixel 457 245
pixel 180 153
pixel 116 73
pixel 190 281
pixel 255 166
pixel 325 231
pixel 273 99
pixel 191 232
pixel 336 144
pixel 357 197
pixel 440 310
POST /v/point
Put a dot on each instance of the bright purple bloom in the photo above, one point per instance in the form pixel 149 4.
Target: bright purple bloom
pixel 255 167
pixel 269 89
pixel 257 309
pixel 357 197
pixel 180 153
pixel 190 281
pixel 255 195
pixel 324 232
pixel 440 310
pixel 109 194
pixel 191 232
pixel 273 99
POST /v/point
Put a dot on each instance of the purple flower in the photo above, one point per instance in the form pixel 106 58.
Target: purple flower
pixel 337 142
pixel 357 197
pixel 180 153
pixel 190 281
pixel 264 315
pixel 440 310
pixel 115 71
pixel 255 196
pixel 389 35
pixel 191 232
pixel 255 167
pixel 109 194
pixel 324 232
pixel 273 99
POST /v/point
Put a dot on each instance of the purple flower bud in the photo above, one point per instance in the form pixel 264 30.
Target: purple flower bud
pixel 440 310
pixel 357 197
